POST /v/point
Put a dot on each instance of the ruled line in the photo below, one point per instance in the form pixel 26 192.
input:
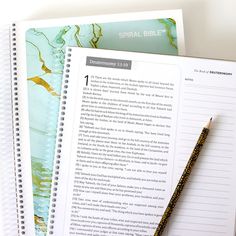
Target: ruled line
pixel 205 114
pixel 210 87
pixel 202 120
pixel 199 128
pixel 207 108
pixel 209 149
pixel 207 101
pixel 209 190
pixel 203 210
pixel 206 196
pixel 207 94
pixel 204 183
pixel 208 176
pixel 205 203
pixel 195 223
pixel 212 183
pixel 197 216
pixel 204 231
pixel 209 169
pixel 209 135
pixel 208 156
pixel 209 162
pixel 209 142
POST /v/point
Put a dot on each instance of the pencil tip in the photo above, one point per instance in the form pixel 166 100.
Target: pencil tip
pixel 209 123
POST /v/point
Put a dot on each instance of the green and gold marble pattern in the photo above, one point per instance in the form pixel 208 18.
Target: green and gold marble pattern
pixel 45 60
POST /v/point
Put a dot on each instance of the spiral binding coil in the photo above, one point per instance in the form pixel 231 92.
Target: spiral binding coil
pixel 60 130
pixel 16 130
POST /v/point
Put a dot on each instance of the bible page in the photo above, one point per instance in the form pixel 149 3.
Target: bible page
pixel 123 120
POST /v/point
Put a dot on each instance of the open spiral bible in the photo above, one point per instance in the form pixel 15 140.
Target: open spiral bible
pixel 128 123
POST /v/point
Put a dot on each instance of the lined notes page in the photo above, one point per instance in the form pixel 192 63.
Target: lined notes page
pixel 208 90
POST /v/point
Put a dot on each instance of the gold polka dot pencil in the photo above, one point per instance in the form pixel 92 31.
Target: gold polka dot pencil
pixel 183 179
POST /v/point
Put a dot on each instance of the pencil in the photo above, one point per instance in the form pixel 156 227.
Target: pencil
pixel 183 179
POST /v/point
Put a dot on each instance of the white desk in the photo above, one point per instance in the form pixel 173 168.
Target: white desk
pixel 210 25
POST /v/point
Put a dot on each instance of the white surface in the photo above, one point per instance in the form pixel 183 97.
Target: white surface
pixel 210 25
